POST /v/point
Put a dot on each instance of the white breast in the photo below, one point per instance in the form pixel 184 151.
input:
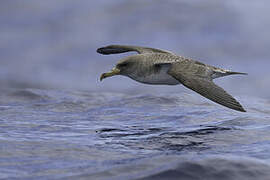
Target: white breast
pixel 156 78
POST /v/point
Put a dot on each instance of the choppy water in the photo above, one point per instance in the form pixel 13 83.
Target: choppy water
pixel 51 134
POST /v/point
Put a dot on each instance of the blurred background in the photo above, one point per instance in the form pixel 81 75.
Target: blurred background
pixel 52 44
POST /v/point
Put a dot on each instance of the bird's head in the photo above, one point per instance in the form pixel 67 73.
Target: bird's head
pixel 125 66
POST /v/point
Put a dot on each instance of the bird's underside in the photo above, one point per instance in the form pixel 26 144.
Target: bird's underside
pixel 163 67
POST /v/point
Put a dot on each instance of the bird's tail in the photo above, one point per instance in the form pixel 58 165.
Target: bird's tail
pixel 232 73
pixel 221 73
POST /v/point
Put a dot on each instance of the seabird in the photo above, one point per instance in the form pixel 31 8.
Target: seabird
pixel 156 66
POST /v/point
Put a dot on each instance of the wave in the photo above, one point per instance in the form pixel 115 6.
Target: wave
pixel 213 168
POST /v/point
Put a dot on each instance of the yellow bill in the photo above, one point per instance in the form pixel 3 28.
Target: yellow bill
pixel 113 72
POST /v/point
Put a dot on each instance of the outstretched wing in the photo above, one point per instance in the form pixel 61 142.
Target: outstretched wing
pixel 206 87
pixel 116 49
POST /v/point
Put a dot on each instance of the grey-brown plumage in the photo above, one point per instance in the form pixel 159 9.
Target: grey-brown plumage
pixel 155 66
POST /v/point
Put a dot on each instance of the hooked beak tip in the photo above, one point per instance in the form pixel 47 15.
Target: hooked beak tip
pixel 102 77
pixel 113 72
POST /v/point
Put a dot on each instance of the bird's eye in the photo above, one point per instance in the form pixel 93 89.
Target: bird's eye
pixel 122 65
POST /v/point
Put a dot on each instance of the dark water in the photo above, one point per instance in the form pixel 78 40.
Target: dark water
pixel 58 122
pixel 50 134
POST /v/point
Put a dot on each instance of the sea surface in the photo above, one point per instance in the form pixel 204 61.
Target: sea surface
pixel 56 134
pixel 57 121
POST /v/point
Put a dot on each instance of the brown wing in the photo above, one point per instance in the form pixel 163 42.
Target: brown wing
pixel 116 49
pixel 207 88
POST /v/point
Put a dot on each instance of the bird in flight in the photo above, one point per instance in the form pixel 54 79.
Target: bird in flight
pixel 156 66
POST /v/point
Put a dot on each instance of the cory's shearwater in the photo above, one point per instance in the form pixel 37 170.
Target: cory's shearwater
pixel 155 66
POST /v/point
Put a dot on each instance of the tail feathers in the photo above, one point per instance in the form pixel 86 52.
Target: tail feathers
pixel 232 73
pixel 219 73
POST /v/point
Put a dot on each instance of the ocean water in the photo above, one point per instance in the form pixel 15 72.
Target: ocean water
pixel 57 121
pixel 54 134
